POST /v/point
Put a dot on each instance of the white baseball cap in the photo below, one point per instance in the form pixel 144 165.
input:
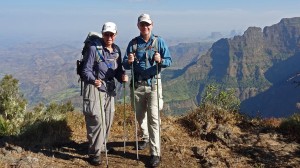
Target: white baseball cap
pixel 109 27
pixel 145 18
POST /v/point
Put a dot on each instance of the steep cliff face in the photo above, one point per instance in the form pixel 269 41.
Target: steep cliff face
pixel 283 38
pixel 246 54
pixel 257 65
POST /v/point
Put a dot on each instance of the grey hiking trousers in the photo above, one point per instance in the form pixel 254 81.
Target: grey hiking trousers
pixel 98 124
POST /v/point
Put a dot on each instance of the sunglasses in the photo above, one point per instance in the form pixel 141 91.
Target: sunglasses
pixel 144 24
pixel 109 34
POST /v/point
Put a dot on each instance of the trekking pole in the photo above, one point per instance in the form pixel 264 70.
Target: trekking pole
pixel 135 118
pixel 157 92
pixel 104 129
pixel 124 124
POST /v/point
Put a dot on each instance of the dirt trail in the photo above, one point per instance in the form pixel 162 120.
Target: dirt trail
pixel 244 149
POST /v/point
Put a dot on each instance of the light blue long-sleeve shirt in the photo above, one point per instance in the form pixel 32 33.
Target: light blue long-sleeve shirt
pixel 146 69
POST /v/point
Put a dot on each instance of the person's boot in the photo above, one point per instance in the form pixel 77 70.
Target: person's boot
pixel 142 145
pixel 95 160
pixel 154 161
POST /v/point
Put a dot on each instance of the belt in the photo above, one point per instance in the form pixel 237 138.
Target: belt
pixel 143 82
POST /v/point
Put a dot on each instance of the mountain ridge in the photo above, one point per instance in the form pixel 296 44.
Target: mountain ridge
pixel 248 64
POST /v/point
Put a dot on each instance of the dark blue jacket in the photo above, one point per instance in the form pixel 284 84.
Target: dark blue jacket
pixel 106 69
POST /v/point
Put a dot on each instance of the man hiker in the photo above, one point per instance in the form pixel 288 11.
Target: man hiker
pixel 101 66
pixel 146 55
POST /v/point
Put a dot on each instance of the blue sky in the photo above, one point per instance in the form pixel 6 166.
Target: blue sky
pixel 72 19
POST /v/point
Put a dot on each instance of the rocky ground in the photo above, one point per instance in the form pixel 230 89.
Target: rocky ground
pixel 240 146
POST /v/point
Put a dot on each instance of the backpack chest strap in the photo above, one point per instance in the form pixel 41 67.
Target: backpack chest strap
pixel 153 45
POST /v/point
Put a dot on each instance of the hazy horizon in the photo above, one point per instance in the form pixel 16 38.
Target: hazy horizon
pixel 34 20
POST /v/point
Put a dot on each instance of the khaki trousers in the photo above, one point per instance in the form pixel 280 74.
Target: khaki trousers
pixel 147 113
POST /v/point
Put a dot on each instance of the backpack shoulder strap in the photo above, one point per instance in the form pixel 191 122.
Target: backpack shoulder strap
pixel 99 49
pixel 155 43
pixel 134 44
pixel 118 49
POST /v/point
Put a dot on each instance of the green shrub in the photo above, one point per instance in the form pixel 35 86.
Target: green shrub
pixel 43 125
pixel 12 106
pixel 3 127
pixel 223 99
pixel 46 125
pixel 53 111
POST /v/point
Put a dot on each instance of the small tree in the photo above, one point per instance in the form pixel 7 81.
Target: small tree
pixel 12 106
pixel 225 99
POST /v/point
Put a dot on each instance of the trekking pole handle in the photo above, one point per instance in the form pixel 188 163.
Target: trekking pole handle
pixel 124 78
pixel 131 58
pixel 157 57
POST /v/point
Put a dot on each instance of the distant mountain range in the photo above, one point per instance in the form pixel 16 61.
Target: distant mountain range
pixel 44 70
pixel 186 53
pixel 47 71
pixel 258 65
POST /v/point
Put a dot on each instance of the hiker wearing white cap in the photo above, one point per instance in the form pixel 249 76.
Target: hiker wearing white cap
pixel 147 54
pixel 101 66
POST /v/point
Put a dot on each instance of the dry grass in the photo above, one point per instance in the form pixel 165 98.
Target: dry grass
pixel 291 126
pixel 46 134
pixel 272 122
pixel 76 123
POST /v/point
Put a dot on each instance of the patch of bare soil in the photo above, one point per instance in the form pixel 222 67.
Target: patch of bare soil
pixel 225 146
